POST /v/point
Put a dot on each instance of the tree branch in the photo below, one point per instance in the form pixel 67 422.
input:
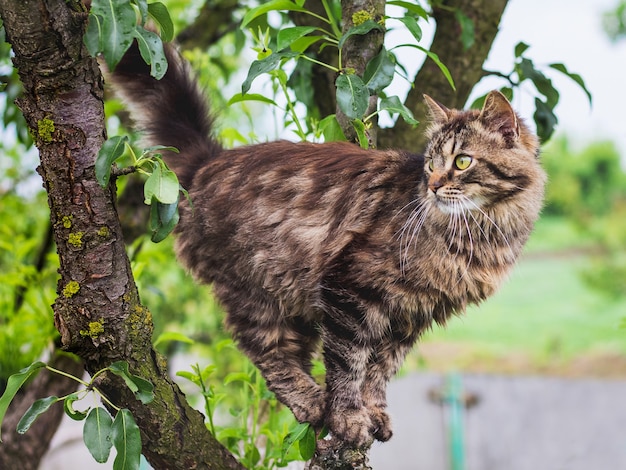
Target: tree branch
pixel 466 66
pixel 63 106
pixel 356 53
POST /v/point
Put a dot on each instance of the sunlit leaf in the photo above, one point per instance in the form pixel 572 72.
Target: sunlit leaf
pixel 159 13
pixel 273 5
pixel 287 36
pixel 393 105
pixel 151 49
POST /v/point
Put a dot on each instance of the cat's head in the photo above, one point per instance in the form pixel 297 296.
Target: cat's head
pixel 476 159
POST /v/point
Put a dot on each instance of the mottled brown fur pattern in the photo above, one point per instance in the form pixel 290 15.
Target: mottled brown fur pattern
pixel 359 250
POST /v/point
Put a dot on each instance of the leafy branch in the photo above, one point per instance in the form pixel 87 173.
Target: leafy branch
pixel 100 431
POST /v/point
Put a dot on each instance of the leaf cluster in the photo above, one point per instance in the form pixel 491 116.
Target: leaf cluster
pixel 161 188
pixel 113 25
pixel 525 71
pixel 262 434
pixel 300 44
pixel 101 432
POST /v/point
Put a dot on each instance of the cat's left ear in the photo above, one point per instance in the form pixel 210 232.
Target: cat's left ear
pixel 498 115
pixel 438 112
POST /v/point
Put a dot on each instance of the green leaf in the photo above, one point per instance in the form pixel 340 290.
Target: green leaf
pixel 169 336
pixel 411 8
pixel 159 13
pixel 467 29
pixel 127 441
pixel 411 25
pixel 238 98
pixel 14 383
pixel 162 184
pixel 69 409
pixel 262 66
pixel 527 70
pixel 151 49
pixel 352 95
pixel 37 408
pixel 574 76
pixel 393 105
pixel 97 434
pixel 287 36
pixel 545 119
pixel 520 48
pixel 111 150
pixel 360 30
pixel 331 130
pixel 295 434
pixel 142 388
pixel 272 5
pixel 93 35
pixel 307 444
pixel 117 24
pixel 379 72
pixel 361 134
pixel 237 377
pixel 142 6
pixel 163 219
pixel 435 58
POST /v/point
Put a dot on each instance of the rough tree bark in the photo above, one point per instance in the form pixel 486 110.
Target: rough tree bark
pixel 98 311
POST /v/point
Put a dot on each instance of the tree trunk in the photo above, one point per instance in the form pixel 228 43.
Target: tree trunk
pixel 98 311
pixel 357 52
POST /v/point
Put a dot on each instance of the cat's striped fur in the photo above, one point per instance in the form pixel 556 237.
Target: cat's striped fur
pixel 359 250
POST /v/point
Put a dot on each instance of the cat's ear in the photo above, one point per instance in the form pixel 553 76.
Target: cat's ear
pixel 497 114
pixel 438 112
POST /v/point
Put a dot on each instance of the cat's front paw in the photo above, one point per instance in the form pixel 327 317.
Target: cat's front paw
pixel 352 426
pixel 381 423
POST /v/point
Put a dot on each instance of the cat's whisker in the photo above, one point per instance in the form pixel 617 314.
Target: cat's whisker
pixel 410 231
pixel 495 225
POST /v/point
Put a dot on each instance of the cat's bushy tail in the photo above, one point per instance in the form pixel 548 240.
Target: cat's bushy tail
pixel 171 111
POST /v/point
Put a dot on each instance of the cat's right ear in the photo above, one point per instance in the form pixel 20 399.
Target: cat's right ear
pixel 438 112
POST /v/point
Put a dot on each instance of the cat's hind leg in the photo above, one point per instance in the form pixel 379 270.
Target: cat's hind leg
pixel 282 348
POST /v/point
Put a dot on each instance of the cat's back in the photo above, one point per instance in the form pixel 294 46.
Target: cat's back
pixel 276 214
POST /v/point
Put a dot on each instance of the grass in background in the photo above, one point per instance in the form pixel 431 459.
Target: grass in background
pixel 544 317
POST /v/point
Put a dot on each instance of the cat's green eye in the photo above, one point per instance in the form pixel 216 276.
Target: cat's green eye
pixel 431 164
pixel 462 162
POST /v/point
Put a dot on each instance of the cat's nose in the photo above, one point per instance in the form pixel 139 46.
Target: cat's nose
pixel 434 184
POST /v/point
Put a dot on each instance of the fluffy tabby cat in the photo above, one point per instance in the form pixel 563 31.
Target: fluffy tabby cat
pixel 360 250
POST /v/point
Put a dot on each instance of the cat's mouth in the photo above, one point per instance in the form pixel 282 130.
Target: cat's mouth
pixel 457 203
